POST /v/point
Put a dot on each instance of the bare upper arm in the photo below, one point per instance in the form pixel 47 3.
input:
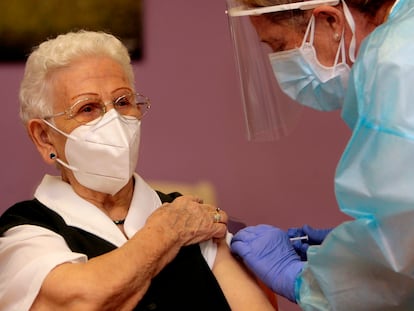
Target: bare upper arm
pixel 239 286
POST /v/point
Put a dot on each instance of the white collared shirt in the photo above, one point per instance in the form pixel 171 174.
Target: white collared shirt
pixel 28 253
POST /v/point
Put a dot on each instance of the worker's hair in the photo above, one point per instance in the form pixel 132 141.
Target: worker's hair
pixel 367 7
pixel 298 17
pixel 58 53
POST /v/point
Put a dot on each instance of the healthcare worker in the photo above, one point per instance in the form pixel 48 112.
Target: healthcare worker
pixel 366 263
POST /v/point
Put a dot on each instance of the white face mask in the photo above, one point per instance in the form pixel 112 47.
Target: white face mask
pixel 306 80
pixel 103 156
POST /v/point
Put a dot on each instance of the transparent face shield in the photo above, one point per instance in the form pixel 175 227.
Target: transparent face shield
pixel 269 113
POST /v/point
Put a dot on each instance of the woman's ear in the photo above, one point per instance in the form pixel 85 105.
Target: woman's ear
pixel 39 133
pixel 331 20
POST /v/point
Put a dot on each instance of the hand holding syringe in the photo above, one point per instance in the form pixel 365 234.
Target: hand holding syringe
pixel 303 237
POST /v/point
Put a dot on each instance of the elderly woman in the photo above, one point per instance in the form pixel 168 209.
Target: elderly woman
pixel 98 237
pixel 368 263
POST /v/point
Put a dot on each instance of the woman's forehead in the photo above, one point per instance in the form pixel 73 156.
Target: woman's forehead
pixel 277 35
pixel 89 76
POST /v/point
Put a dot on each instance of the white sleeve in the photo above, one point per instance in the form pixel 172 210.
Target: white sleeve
pixel 27 254
pixel 209 250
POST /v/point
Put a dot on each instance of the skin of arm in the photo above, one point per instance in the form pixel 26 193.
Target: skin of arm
pixel 103 283
pixel 240 287
pixel 119 279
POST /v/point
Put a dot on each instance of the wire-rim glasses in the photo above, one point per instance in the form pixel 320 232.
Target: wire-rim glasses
pixel 90 109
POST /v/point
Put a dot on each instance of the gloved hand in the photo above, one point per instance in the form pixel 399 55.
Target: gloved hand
pixel 268 252
pixel 315 237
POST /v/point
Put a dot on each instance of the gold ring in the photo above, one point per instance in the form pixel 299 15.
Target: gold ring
pixel 217 216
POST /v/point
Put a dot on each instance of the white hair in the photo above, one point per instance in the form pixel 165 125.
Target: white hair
pixel 60 52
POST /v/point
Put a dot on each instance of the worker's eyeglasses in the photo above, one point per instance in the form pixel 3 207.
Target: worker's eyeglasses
pixel 90 109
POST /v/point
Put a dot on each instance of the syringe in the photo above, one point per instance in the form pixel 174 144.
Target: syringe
pixel 305 237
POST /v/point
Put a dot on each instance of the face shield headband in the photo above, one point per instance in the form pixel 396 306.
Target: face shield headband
pixel 304 5
pixel 269 113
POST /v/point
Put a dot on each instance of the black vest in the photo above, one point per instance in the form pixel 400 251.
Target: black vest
pixel 185 284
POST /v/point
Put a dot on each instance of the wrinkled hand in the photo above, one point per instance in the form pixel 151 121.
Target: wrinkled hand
pixel 268 252
pixel 315 237
pixel 189 220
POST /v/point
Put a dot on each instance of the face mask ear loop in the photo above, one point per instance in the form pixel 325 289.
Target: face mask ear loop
pixel 59 131
pixel 310 31
pixel 342 47
pixel 340 51
pixel 72 168
pixel 351 23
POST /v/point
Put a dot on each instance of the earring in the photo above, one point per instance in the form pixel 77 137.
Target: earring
pixel 52 155
pixel 337 37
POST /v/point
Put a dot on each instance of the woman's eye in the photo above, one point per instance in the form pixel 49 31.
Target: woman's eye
pixel 89 108
pixel 123 102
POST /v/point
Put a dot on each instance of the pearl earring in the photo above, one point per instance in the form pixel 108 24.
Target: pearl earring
pixel 337 37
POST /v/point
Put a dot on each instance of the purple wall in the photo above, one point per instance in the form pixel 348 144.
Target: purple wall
pixel 195 130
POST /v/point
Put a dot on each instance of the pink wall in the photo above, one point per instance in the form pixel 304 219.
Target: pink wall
pixel 195 130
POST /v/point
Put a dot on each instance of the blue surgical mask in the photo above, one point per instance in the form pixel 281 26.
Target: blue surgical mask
pixel 306 80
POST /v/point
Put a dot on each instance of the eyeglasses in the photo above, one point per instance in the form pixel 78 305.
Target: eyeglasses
pixel 90 109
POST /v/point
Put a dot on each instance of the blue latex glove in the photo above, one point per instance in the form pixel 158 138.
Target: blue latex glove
pixel 268 252
pixel 315 237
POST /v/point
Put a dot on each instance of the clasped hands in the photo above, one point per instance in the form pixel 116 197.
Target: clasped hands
pixel 273 257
